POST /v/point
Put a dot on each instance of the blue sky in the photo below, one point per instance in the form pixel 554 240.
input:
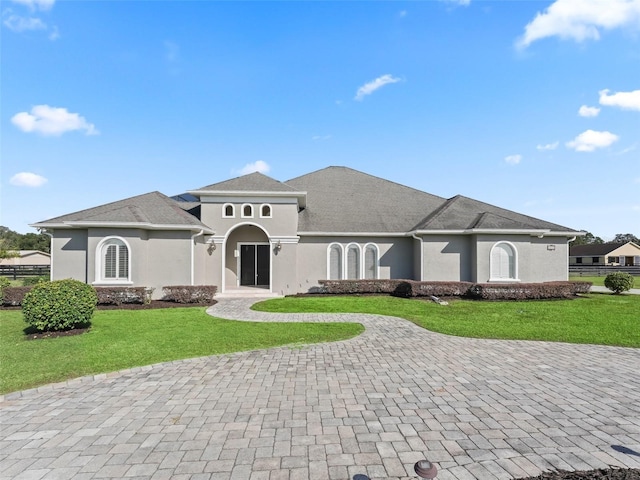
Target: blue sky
pixel 533 106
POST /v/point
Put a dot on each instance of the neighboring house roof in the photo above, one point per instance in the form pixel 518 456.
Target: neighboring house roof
pixel 340 199
pixel 463 213
pixel 596 249
pixel 27 253
pixel 150 210
pixel 253 182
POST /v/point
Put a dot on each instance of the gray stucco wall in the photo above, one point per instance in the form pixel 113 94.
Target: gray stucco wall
pixel 69 255
pixel 447 258
pixel 283 221
pixel 395 257
pixel 539 259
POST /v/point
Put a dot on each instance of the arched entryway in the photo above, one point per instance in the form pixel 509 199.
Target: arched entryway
pixel 247 253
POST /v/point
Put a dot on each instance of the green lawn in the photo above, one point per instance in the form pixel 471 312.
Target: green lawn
pixel 124 338
pixel 597 319
pixel 599 281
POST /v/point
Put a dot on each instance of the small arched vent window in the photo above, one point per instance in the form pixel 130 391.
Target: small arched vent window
pixel 370 262
pixel 353 262
pixel 247 210
pixel 228 211
pixel 265 211
pixel 335 262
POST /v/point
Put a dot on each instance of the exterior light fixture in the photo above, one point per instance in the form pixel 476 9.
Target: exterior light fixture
pixel 277 247
pixel 425 469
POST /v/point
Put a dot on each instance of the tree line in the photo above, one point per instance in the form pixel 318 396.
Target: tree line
pixel 591 239
pixel 11 242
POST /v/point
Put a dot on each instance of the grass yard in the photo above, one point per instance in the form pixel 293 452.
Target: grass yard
pixel 596 319
pixel 129 338
pixel 599 281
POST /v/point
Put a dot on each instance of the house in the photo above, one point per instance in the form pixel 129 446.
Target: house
pixel 28 257
pixel 612 254
pixel 334 223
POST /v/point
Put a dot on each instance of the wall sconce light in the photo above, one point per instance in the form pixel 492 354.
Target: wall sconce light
pixel 277 247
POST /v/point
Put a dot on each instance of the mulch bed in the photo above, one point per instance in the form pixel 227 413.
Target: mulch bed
pixel 599 474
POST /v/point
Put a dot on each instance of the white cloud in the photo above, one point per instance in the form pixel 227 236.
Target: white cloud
pixel 402 13
pixel 513 159
pixel 36 4
pixel 372 86
pixel 585 111
pixel 580 20
pixel 636 180
pixel 52 121
pixel 321 137
pixel 458 2
pixel 16 23
pixel 624 100
pixel 548 146
pixel 27 179
pixel 590 140
pixel 258 166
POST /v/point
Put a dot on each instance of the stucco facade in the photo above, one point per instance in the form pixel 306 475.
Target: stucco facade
pixel 254 232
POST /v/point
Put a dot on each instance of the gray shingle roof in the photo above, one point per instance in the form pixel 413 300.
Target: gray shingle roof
pixel 253 182
pixel 593 249
pixel 461 213
pixel 340 199
pixel 152 208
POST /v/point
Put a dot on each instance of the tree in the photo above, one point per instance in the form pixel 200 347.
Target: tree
pixel 11 241
pixel 626 237
pixel 587 239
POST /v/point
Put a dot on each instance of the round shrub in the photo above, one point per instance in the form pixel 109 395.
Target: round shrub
pixel 619 282
pixel 59 305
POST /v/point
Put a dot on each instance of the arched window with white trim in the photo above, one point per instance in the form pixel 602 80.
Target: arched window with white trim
pixel 228 210
pixel 353 262
pixel 265 210
pixel 370 261
pixel 113 262
pixel 334 261
pixel 247 210
pixel 504 261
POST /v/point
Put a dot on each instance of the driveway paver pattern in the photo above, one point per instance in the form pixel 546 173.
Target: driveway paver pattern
pixel 369 407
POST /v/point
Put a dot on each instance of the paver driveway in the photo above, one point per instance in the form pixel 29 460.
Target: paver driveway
pixel 367 407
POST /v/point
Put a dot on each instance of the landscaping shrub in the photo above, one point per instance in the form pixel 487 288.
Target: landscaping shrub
pixel 27 281
pixel 189 293
pixel 359 286
pixel 4 283
pixel 13 296
pixel 120 295
pixel 619 282
pixel 412 288
pixel 59 305
pixel 526 291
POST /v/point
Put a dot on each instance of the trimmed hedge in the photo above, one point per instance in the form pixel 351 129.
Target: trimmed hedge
pixel 59 305
pixel 120 295
pixel 189 293
pixel 412 288
pixel 13 296
pixel 359 286
pixel 484 291
pixel 525 291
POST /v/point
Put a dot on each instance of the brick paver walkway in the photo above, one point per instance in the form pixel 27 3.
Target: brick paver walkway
pixel 367 407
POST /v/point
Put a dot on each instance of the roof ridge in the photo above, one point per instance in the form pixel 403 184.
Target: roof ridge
pixel 437 212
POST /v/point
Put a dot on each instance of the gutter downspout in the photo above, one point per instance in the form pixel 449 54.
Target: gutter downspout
pixel 568 242
pixel 193 242
pixel 421 256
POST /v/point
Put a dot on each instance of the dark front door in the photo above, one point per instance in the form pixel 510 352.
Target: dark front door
pixel 254 265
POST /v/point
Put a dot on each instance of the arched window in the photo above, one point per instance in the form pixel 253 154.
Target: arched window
pixel 370 261
pixel 504 262
pixel 265 211
pixel 247 211
pixel 113 263
pixel 334 262
pixel 353 262
pixel 228 211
